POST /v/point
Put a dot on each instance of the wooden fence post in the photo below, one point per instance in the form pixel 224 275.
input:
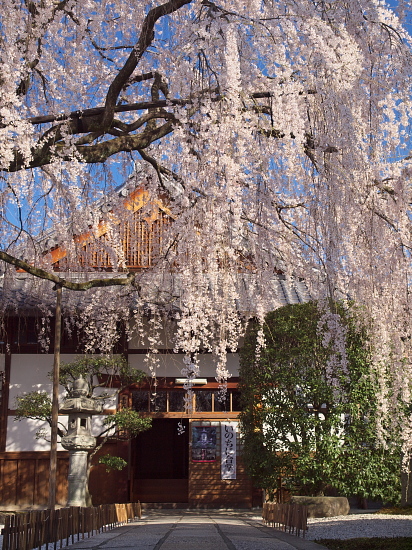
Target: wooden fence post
pixel 50 527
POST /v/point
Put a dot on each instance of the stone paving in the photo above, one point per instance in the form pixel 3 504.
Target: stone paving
pixel 195 530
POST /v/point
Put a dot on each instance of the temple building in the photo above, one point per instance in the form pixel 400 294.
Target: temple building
pixel 191 456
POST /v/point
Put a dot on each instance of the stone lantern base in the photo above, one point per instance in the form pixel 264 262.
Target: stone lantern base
pixel 78 478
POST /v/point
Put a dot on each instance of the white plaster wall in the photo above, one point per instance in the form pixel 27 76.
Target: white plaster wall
pixel 98 425
pixel 28 372
pixel 172 364
pixel 208 367
pixel 169 364
pixel 166 338
pixel 110 402
pixel 21 435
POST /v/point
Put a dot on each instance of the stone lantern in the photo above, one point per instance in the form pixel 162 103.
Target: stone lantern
pixel 78 439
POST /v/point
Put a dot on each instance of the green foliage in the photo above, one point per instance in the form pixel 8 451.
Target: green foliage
pixel 309 406
pixel 112 462
pixel 128 421
pixel 100 371
pixel 35 405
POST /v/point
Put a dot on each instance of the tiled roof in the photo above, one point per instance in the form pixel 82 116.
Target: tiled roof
pixel 26 293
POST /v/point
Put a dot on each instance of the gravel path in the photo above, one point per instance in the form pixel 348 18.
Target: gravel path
pixel 359 525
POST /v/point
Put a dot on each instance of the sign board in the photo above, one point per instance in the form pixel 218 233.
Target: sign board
pixel 228 445
pixel 203 443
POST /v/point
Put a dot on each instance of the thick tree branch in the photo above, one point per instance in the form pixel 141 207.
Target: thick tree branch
pixel 97 111
pixel 99 152
pixel 102 151
pixel 59 281
pixel 145 39
pixel 89 122
pixel 140 106
pixel 161 170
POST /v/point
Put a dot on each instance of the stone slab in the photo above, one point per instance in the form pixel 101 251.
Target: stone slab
pixel 323 507
pixel 195 531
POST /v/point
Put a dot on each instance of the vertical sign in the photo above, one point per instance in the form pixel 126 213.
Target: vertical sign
pixel 228 442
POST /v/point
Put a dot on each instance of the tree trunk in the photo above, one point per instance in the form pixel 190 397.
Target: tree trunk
pixel 55 402
pixel 406 478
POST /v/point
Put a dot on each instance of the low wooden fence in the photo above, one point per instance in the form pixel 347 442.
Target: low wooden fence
pixel 26 531
pixel 287 517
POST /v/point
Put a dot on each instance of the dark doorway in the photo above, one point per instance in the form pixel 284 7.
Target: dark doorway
pixel 161 463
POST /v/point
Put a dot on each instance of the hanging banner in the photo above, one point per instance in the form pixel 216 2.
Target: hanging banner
pixel 228 443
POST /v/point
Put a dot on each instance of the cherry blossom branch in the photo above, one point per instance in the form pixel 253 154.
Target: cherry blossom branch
pixel 32 8
pixel 96 111
pixel 144 105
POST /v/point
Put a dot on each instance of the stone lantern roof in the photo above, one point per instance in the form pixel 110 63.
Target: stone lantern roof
pixel 77 401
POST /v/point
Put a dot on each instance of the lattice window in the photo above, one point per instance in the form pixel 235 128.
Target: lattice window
pixel 172 401
pixel 142 242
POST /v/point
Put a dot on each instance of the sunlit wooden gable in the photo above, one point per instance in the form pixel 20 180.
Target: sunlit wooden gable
pixel 136 226
pixel 133 227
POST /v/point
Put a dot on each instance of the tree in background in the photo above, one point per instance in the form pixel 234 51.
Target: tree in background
pixel 111 375
pixel 310 405
pixel 277 133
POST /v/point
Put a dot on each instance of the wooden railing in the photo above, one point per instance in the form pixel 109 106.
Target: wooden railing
pixel 26 531
pixel 287 517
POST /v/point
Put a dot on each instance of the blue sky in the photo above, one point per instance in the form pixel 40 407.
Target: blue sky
pixel 394 3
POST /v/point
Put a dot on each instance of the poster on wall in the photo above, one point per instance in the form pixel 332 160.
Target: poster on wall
pixel 228 442
pixel 203 443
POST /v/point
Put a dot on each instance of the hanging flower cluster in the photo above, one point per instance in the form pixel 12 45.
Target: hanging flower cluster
pixel 272 136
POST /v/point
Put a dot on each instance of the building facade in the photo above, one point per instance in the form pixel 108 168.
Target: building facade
pixel 190 456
